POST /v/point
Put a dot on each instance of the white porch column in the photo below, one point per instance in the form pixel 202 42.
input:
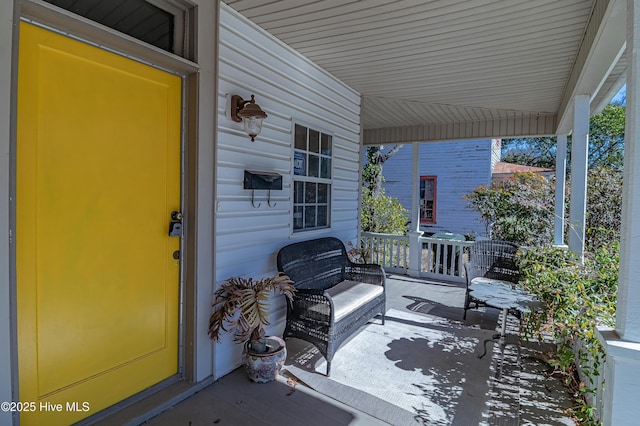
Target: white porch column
pixel 622 345
pixel 579 152
pixel 415 246
pixel 561 178
pixel 628 310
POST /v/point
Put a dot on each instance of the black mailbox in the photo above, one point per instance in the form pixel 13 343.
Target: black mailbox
pixel 262 180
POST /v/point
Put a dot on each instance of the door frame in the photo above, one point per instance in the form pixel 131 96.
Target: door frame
pixel 66 23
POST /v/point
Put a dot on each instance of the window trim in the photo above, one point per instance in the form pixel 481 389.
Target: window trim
pixel 303 178
pixel 68 23
pixel 433 219
pixel 182 26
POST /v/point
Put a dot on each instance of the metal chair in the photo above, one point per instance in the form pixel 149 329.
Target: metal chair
pixel 494 259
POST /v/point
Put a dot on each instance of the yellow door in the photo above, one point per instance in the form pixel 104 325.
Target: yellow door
pixel 98 174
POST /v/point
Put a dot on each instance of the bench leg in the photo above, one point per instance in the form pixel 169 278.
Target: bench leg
pixel 382 318
pixel 328 368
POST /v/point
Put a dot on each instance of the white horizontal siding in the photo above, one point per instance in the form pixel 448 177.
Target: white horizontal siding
pixel 290 89
pixel 460 166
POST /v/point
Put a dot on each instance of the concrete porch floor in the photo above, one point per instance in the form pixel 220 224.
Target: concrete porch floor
pixel 521 393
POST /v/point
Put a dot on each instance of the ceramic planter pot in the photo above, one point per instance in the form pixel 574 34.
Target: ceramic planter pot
pixel 264 367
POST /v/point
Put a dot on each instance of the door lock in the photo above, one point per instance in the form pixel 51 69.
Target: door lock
pixel 175 226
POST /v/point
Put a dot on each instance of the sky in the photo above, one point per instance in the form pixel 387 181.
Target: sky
pixel 621 95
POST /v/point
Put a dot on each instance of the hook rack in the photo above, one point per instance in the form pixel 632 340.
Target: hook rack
pixel 253 204
pixel 262 180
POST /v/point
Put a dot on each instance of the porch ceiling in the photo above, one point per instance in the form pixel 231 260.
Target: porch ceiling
pixel 454 69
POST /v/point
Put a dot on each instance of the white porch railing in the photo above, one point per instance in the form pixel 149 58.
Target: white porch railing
pixel 440 259
pixel 389 251
pixel 444 259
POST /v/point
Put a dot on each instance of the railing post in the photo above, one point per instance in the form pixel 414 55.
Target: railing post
pixel 415 253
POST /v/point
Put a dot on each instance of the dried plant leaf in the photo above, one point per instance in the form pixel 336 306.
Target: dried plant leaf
pixel 241 305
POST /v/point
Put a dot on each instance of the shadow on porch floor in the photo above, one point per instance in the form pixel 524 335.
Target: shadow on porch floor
pixel 519 391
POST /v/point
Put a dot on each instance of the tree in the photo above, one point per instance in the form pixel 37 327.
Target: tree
pixel 518 209
pixel 606 138
pixel 372 171
pixel 604 207
pixel 521 208
pixel 537 152
pixel 380 213
pixel 606 143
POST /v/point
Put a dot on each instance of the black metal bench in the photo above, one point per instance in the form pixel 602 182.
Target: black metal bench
pixel 334 296
pixel 492 281
pixel 493 259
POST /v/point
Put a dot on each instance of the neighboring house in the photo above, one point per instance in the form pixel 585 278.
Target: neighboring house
pixel 504 170
pixel 448 171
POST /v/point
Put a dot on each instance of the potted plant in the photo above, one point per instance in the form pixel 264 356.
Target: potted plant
pixel 241 307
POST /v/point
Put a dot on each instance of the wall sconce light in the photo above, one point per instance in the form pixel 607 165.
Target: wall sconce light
pixel 247 112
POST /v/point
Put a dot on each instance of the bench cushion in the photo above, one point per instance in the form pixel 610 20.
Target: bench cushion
pixel 347 296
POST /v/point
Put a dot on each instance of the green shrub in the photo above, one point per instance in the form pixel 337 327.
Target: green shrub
pixel 604 207
pixel 577 298
pixel 519 208
pixel 382 214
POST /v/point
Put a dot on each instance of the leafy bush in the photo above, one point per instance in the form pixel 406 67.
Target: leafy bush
pixel 577 298
pixel 382 214
pixel 518 209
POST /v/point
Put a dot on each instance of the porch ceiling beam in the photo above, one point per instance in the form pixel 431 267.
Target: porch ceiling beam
pixel 533 125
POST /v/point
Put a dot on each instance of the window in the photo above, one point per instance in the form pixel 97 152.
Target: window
pixel 160 24
pixel 311 179
pixel 428 186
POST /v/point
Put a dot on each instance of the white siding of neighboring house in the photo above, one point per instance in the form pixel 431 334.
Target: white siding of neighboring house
pixel 290 89
pixel 460 166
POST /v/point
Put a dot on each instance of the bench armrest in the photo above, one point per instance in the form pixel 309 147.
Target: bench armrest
pixel 472 271
pixel 311 304
pixel 369 273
